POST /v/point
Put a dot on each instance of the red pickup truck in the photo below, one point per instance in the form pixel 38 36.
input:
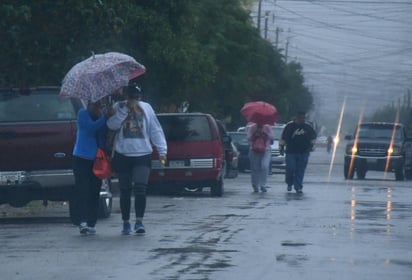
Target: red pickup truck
pixel 37 135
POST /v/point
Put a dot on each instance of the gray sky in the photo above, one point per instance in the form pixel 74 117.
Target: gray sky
pixel 361 49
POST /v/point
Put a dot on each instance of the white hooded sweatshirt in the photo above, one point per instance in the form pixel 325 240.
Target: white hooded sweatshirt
pixel 137 133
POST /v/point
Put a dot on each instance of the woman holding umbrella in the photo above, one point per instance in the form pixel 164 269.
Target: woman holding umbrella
pixel 260 134
pixel 260 137
pixel 92 79
pixel 91 123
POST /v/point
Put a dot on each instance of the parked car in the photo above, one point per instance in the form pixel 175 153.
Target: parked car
pixel 239 139
pixel 37 135
pixel 277 160
pixel 195 157
pixel 231 152
pixel 322 141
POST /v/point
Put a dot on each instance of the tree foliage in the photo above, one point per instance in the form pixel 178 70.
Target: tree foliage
pixel 391 113
pixel 206 52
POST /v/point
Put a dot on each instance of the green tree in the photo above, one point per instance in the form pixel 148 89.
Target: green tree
pixel 204 51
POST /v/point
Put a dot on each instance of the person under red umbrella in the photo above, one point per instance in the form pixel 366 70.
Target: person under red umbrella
pixel 260 137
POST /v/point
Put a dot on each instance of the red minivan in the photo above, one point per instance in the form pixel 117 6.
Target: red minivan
pixel 37 133
pixel 195 157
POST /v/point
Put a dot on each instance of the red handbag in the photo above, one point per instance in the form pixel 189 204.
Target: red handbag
pixel 101 167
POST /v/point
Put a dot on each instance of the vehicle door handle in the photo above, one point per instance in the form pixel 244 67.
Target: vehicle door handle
pixel 60 155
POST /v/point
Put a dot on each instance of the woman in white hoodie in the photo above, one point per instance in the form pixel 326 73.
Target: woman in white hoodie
pixel 138 129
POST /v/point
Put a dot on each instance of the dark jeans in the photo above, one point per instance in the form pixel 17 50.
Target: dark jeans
pixel 133 174
pixel 86 192
pixel 295 169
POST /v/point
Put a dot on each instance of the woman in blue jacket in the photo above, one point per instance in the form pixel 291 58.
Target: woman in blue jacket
pixel 91 127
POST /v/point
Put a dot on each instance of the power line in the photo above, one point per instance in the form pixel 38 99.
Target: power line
pixel 332 26
pixel 350 2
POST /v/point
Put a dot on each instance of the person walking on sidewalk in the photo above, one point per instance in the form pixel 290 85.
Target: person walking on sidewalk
pixel 91 123
pixel 260 137
pixel 138 129
pixel 297 140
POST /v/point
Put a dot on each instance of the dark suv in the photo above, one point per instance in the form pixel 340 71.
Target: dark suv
pixel 378 146
pixel 37 134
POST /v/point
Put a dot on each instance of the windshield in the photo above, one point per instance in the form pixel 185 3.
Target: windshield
pixel 41 106
pixel 239 138
pixel 381 131
pixel 277 132
pixel 183 128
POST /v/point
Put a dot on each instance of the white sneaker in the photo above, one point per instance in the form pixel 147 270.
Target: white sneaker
pixel 91 230
pixel 83 228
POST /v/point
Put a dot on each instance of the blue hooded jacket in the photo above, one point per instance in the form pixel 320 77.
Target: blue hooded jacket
pixel 90 135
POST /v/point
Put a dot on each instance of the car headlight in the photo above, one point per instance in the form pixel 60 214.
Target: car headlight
pixel 394 151
pixel 351 149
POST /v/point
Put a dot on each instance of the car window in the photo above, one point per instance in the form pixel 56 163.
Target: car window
pixel 183 128
pixel 239 138
pixel 383 132
pixel 15 107
pixel 277 132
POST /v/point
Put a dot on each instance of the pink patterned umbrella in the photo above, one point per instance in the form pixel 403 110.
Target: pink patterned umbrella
pixel 100 75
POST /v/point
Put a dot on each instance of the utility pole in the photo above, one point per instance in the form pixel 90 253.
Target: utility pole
pixel 266 24
pixel 287 47
pixel 259 13
pixel 286 51
pixel 277 37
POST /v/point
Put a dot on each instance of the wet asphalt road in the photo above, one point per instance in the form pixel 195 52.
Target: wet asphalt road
pixel 336 229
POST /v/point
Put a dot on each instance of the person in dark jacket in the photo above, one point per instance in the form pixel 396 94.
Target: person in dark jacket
pixel 91 127
pixel 297 140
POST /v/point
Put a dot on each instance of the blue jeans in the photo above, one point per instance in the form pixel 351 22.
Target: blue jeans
pixel 295 169
pixel 259 167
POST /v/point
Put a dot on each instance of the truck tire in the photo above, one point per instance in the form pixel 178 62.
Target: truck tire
pixel 105 207
pixel 217 188
pixel 346 172
pixel 399 174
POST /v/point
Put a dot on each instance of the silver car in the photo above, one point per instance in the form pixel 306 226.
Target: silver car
pixel 277 160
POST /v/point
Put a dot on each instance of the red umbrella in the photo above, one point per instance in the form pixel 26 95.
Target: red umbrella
pixel 260 112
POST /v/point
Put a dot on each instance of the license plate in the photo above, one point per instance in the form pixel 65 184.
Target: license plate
pixel 10 178
pixel 176 163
